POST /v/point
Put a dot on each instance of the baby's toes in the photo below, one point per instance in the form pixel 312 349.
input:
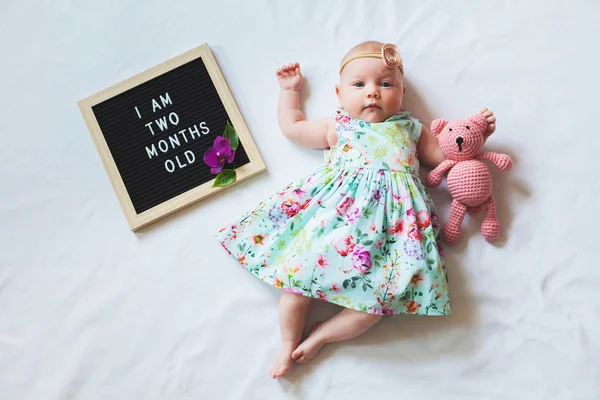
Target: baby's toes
pixel 282 371
pixel 301 360
pixel 296 354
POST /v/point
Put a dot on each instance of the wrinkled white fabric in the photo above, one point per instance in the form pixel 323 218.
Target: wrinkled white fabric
pixel 90 310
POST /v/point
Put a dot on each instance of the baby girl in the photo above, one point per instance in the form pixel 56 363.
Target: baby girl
pixel 361 231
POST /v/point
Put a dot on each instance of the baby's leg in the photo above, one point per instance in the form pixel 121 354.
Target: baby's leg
pixel 345 325
pixel 292 317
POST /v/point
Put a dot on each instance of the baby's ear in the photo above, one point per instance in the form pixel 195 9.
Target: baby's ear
pixel 479 121
pixel 437 125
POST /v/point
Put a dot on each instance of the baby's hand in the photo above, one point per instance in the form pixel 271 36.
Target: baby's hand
pixel 289 77
pixel 491 119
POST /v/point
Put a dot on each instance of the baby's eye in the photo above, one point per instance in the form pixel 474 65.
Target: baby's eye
pixel 358 84
pixel 386 84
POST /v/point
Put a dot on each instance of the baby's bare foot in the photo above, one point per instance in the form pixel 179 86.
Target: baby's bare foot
pixel 283 360
pixel 311 345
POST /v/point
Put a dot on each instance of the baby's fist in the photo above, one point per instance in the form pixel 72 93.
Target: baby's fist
pixel 289 77
pixel 491 120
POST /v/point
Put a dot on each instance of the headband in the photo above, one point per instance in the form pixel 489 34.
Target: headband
pixel 389 54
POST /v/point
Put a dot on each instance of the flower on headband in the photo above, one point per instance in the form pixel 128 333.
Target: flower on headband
pixel 391 56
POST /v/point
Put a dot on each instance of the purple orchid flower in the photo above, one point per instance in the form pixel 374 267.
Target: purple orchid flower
pixel 216 156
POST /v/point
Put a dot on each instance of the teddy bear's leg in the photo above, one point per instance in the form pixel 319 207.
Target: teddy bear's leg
pixel 490 227
pixel 451 232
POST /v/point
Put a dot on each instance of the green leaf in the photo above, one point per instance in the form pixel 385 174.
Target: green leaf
pixel 385 165
pixel 225 177
pixel 355 278
pixel 429 247
pixel 346 283
pixel 368 242
pixel 353 285
pixel 292 226
pixel 232 135
pixel 364 287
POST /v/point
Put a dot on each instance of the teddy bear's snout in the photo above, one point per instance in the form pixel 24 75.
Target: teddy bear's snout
pixel 459 142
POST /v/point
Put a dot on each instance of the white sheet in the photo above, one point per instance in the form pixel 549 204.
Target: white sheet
pixel 89 310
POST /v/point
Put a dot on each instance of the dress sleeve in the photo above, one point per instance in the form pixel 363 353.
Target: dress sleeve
pixel 416 126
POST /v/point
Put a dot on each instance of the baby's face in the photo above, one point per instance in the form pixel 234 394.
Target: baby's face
pixel 369 90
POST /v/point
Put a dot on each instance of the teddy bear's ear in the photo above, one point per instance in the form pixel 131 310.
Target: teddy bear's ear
pixel 479 121
pixel 437 125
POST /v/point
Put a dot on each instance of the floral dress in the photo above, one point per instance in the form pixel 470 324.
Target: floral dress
pixel 360 232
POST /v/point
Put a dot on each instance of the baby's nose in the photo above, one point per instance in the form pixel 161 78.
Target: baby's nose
pixel 372 91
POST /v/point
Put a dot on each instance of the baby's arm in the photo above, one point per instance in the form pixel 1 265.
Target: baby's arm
pixel 293 124
pixel 429 150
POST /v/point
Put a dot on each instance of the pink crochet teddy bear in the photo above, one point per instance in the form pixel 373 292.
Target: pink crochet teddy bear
pixel 469 179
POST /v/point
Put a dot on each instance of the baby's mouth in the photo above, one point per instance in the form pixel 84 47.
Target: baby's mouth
pixel 372 106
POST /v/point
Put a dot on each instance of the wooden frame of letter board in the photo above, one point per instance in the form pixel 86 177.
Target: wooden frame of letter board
pixel 135 220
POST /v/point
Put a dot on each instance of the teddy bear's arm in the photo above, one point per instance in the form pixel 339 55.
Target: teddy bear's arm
pixel 435 177
pixel 501 161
